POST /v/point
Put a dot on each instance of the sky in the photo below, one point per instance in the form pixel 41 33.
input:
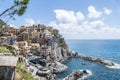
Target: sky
pixel 75 19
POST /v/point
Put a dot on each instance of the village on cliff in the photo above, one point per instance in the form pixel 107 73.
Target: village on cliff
pixel 37 48
pixel 38 52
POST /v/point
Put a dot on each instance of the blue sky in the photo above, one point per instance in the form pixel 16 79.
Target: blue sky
pixel 76 19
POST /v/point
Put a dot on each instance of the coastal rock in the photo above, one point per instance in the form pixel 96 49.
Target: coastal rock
pixel 58 67
pixel 78 74
pixel 97 60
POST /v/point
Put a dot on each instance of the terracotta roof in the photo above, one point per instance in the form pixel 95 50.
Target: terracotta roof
pixel 8 60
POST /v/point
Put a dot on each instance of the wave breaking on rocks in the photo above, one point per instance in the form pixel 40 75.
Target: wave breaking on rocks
pixel 116 66
pixel 107 63
pixel 78 74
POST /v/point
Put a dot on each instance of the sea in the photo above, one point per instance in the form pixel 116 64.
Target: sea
pixel 105 49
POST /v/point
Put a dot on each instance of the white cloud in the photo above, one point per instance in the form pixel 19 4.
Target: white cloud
pixel 29 21
pixel 93 13
pixel 65 16
pixel 69 16
pixel 74 25
pixel 97 23
pixel 80 16
pixel 107 11
pixel 87 30
pixel 12 25
pixel 54 24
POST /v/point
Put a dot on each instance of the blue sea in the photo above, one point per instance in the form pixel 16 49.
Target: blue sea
pixel 105 49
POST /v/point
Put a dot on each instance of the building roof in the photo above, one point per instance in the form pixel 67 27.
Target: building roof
pixel 22 42
pixel 8 60
pixel 35 44
pixel 3 37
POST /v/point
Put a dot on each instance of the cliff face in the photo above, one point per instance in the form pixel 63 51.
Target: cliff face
pixel 60 50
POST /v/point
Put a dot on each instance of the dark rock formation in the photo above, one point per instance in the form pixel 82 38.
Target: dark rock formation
pixel 97 60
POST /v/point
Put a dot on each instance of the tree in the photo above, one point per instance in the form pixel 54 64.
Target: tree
pixel 18 8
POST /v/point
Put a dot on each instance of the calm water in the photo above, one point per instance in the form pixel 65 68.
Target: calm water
pixel 106 49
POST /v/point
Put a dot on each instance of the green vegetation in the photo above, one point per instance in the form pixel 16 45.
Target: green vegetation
pixel 13 53
pixel 9 47
pixel 18 8
pixel 7 50
pixel 4 49
pixel 23 72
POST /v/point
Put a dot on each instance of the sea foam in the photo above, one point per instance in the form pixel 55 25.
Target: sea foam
pixel 85 76
pixel 116 66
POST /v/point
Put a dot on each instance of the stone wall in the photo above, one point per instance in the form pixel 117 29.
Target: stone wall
pixel 2 72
